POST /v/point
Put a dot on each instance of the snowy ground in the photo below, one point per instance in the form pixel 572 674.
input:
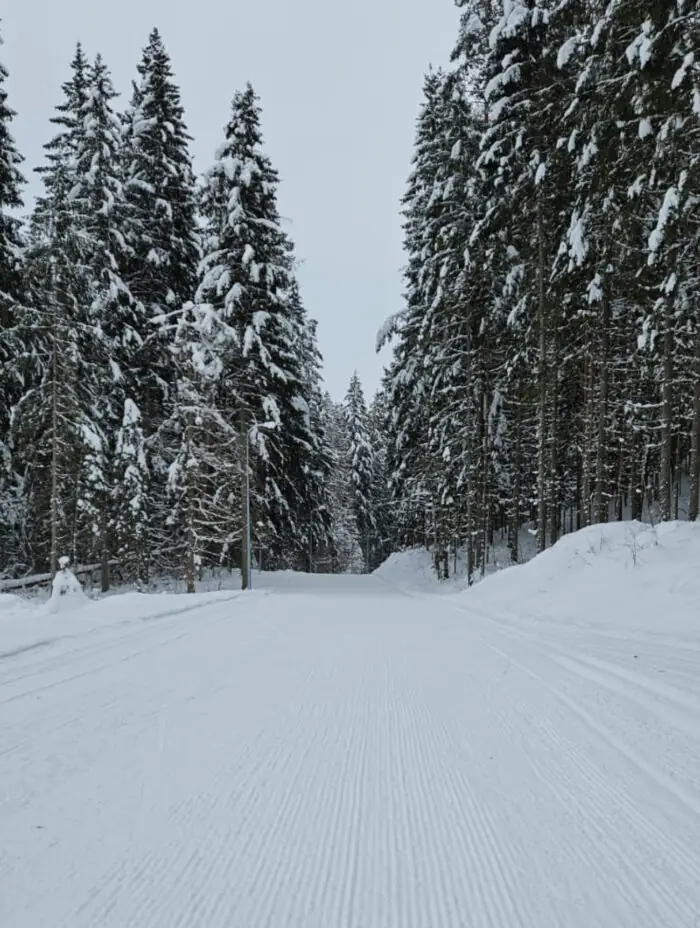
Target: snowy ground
pixel 356 753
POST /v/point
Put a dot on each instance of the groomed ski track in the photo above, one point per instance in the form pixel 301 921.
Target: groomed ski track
pixel 334 753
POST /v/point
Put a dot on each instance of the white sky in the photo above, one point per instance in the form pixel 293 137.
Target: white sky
pixel 340 87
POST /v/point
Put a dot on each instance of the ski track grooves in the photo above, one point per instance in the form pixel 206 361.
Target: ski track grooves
pixel 320 761
pixel 606 675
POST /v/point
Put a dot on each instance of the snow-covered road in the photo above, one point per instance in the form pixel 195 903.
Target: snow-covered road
pixel 338 754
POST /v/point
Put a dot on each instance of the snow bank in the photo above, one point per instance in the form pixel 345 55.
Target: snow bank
pixel 414 570
pixel 628 573
pixel 24 626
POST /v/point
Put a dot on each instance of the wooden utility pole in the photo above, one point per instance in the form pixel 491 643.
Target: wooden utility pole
pixel 245 500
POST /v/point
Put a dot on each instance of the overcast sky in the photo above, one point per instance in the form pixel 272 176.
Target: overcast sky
pixel 340 86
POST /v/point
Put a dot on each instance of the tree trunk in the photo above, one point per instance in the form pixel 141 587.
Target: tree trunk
pixel 484 482
pixel 543 392
pixel 53 565
pixel 554 501
pixel 600 502
pixel 517 488
pixel 104 549
pixel 666 484
pixel 245 499
pixel 694 502
pixel 620 482
pixel 190 532
pixel 587 443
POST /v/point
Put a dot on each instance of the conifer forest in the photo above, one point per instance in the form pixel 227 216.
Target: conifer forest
pixel 161 385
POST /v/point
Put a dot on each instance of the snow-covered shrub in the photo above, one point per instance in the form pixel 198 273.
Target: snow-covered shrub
pixel 66 592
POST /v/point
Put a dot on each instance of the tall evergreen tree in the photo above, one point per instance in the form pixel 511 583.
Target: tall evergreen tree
pixel 162 222
pixel 53 420
pixel 11 182
pixel 346 551
pixel 100 214
pixel 53 211
pixel 546 366
pixel 314 507
pixel 361 465
pixel 58 347
pixel 204 464
pixel 247 283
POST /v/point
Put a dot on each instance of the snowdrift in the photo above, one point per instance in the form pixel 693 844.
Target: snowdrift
pixel 413 570
pixel 629 574
pixel 24 626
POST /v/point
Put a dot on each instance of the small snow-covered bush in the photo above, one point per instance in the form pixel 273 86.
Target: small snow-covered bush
pixel 66 592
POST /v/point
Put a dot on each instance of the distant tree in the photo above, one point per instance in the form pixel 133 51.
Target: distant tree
pixel 361 465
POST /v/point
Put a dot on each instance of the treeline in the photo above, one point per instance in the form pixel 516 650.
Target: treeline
pixel 156 358
pixel 546 367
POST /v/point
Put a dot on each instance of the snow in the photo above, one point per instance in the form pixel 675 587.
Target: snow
pixel 567 51
pixel 410 570
pixel 364 750
pixel 645 128
pixel 66 592
pixel 668 208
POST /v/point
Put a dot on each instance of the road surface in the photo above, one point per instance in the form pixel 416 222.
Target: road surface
pixel 334 753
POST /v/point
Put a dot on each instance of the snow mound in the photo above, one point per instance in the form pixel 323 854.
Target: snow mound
pixel 630 573
pixel 414 570
pixel 66 592
pixel 11 605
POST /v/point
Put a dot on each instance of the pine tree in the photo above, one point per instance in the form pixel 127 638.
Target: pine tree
pixel 100 210
pixel 247 283
pixel 346 554
pixel 382 538
pixel 53 211
pixel 53 416
pixel 546 366
pixel 361 465
pixel 11 293
pixel 160 193
pixel 314 509
pixel 204 463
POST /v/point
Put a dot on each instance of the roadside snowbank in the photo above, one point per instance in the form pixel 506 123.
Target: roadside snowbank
pixel 629 574
pixel 24 626
pixel 413 570
pixel 639 572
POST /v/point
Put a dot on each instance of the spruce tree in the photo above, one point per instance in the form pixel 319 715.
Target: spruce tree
pixel 361 465
pixel 546 369
pixel 52 421
pixel 310 479
pixel 100 214
pixel 203 452
pixel 53 211
pixel 11 292
pixel 162 222
pixel 247 283
pixel 346 551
